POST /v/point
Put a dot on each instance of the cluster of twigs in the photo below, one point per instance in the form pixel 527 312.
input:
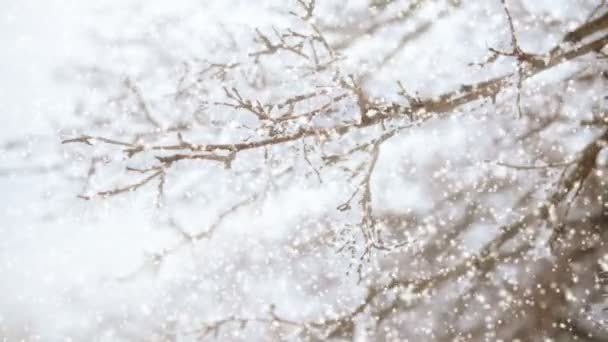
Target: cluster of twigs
pixel 284 123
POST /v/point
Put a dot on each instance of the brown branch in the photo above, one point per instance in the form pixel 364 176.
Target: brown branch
pixel 256 108
pixel 309 8
pixel 588 29
pixel 270 48
pixel 129 188
pixel 425 109
pixel 534 167
pixel 86 139
pixel 307 159
pixel 169 160
pixel 141 103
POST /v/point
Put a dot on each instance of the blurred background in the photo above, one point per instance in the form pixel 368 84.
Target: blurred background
pixel 118 269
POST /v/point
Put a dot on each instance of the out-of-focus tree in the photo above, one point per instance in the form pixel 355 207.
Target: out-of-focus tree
pixel 461 147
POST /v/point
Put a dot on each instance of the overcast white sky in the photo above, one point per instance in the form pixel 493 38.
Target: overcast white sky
pixel 37 264
pixel 37 37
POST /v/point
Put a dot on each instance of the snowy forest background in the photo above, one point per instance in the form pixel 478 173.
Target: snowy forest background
pixel 301 170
